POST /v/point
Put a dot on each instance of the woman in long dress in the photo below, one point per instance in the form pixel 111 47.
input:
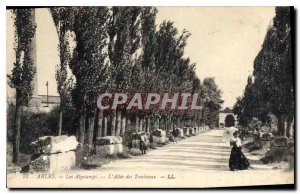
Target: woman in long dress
pixel 143 143
pixel 237 160
pixel 175 134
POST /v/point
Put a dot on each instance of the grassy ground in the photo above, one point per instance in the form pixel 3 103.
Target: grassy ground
pixel 261 152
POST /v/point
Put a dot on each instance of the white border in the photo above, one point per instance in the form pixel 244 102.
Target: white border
pixel 5 3
pixel 152 2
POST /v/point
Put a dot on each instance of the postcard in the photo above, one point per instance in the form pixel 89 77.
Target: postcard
pixel 150 97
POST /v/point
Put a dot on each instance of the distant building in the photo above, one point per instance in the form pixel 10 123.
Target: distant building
pixel 227 118
pixel 50 103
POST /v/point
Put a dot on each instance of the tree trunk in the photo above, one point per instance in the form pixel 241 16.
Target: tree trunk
pixel 289 127
pixel 137 124
pixel 148 124
pixel 60 121
pixel 170 124
pixel 113 123
pixel 179 122
pixel 140 124
pixel 281 126
pixel 156 123
pixel 17 129
pixel 128 125
pixel 100 123
pixel 87 129
pixel 167 120
pixel 118 123
pixel 95 126
pixel 81 129
pixel 151 123
pixel 91 129
pixel 104 126
pixel 159 123
pixel 123 124
pixel 144 124
pixel 173 123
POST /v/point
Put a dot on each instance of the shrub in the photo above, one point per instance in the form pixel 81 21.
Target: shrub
pixel 128 138
pixel 272 123
pixel 255 124
pixel 35 124
pixel 10 110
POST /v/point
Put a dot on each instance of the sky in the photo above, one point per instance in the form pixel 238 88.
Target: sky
pixel 47 54
pixel 223 44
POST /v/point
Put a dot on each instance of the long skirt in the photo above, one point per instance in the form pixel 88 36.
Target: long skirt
pixel 143 146
pixel 237 160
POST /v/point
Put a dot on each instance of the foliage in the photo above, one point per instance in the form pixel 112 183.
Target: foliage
pixel 124 41
pixel 63 18
pixel 23 72
pixel 212 94
pixel 88 63
pixel 245 107
pixel 255 124
pixel 272 90
pixel 121 49
pixel 34 125
pixel 148 44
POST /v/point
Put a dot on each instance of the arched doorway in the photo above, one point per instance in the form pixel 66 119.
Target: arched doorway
pixel 229 121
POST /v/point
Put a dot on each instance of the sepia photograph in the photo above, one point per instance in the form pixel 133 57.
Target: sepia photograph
pixel 150 97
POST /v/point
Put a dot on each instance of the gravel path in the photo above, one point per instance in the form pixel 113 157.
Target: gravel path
pixel 199 161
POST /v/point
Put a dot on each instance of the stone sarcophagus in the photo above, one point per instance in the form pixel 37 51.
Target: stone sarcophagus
pixel 53 144
pixel 180 132
pixel 191 131
pixel 109 145
pixel 53 154
pixel 159 136
pixel 53 163
pixel 186 131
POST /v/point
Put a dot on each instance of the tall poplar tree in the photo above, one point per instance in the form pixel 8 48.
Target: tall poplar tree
pixel 23 71
pixel 89 66
pixel 63 18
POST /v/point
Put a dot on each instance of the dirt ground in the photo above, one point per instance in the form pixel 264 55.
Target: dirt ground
pixel 196 162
